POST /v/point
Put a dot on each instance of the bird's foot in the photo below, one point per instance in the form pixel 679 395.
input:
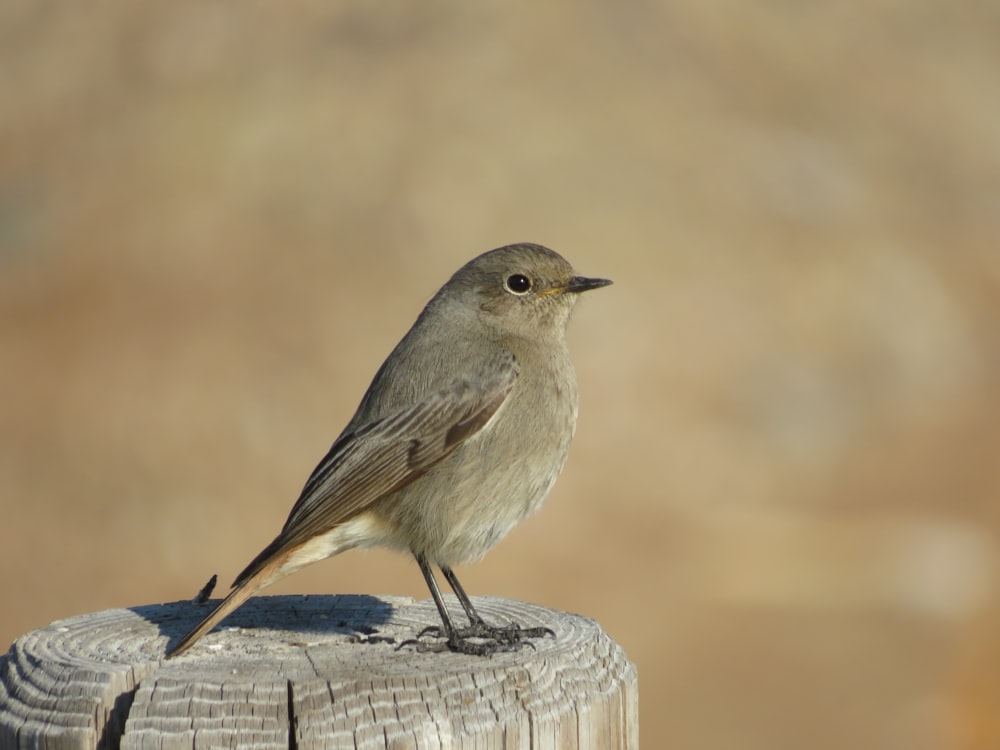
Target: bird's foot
pixel 512 633
pixel 478 639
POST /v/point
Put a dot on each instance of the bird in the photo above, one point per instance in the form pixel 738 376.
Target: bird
pixel 460 436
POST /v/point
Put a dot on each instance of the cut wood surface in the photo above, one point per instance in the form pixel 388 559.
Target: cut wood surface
pixel 314 671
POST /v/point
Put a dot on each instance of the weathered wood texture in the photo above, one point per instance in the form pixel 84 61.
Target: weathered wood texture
pixel 317 671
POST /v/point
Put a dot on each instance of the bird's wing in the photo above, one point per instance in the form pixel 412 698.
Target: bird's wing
pixel 385 455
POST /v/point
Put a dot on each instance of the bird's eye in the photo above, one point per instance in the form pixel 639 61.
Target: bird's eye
pixel 517 283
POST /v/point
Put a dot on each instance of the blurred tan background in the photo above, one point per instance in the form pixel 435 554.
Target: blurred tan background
pixel 216 219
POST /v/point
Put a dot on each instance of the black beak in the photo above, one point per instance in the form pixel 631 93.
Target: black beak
pixel 582 284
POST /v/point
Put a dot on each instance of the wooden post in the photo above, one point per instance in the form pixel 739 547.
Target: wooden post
pixel 314 671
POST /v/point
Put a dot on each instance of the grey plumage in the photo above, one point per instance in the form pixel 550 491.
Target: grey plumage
pixel 460 436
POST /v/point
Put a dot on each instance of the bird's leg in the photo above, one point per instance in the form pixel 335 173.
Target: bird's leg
pixel 490 638
pixel 478 627
pixel 454 639
pixel 474 619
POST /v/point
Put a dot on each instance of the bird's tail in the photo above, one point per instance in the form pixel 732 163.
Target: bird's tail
pixel 242 591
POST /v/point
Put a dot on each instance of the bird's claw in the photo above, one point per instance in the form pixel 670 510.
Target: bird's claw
pixel 478 639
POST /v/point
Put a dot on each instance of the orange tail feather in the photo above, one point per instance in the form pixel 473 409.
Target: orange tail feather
pixel 240 593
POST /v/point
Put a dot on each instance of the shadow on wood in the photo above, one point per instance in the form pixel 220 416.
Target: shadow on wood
pixel 316 671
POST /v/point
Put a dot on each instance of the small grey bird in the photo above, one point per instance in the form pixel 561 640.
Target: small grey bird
pixel 460 437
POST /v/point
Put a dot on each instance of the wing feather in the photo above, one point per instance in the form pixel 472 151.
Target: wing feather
pixel 385 455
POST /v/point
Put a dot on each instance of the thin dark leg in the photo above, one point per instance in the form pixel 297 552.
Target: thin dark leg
pixel 463 598
pixel 432 584
pixel 478 627
pixel 455 639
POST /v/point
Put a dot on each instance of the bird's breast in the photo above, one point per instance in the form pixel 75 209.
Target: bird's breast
pixel 466 504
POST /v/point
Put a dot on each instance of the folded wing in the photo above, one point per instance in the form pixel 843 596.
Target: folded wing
pixel 382 456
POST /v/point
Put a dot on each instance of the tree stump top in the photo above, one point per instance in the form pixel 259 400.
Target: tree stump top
pixel 301 671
